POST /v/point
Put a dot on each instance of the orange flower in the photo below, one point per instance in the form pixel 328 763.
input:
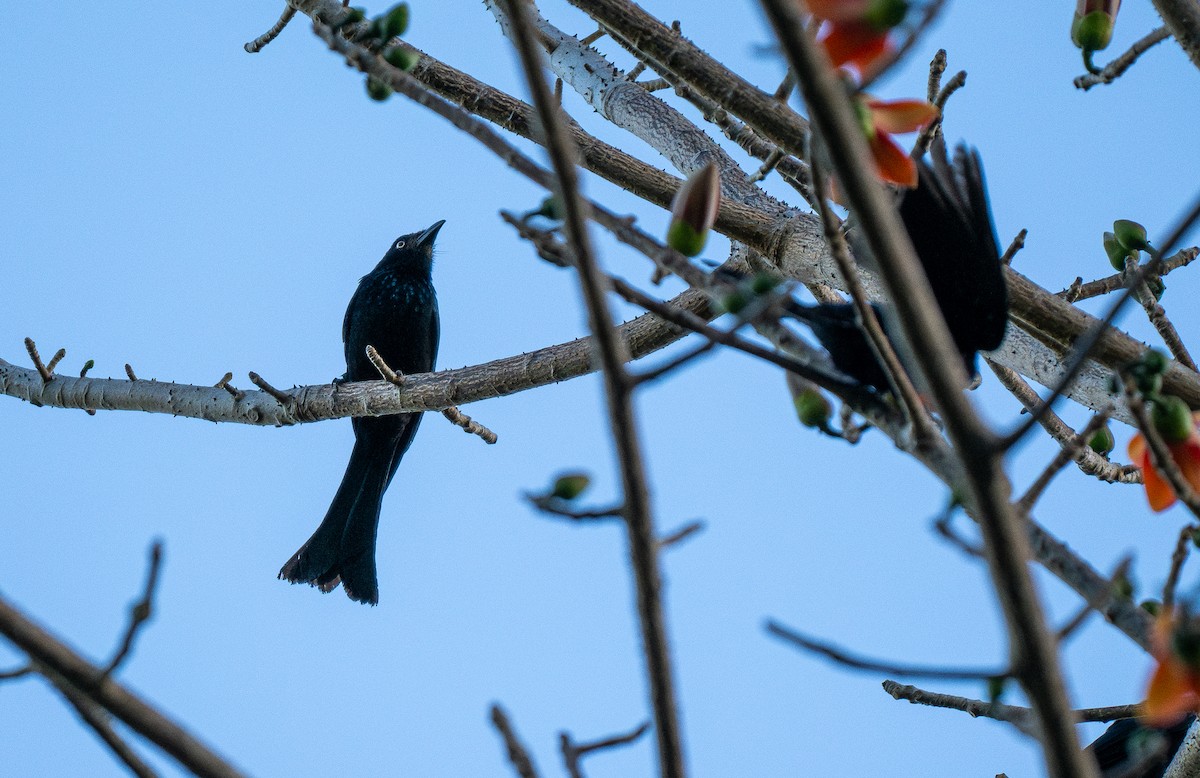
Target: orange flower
pixel 1186 454
pixel 856 32
pixel 1174 688
pixel 881 118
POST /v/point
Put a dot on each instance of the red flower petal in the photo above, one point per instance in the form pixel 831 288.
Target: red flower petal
pixel 1187 456
pixel 838 10
pixel 1158 492
pixel 1171 693
pixel 854 43
pixel 901 115
pixel 892 164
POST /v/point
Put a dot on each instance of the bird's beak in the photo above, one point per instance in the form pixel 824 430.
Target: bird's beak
pixel 426 238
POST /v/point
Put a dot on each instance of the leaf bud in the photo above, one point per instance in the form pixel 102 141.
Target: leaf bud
pixel 568 486
pixel 1117 254
pixel 1131 235
pixel 812 408
pixel 1102 441
pixel 694 211
pixel 395 21
pixel 377 90
pixel 1172 418
pixel 400 57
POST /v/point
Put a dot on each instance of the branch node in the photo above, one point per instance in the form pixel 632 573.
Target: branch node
pixel 469 425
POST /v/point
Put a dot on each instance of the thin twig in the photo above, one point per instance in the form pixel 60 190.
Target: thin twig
pixel 1017 244
pixel 556 506
pixel 930 131
pixel 1184 544
pixel 1088 461
pixel 1065 455
pixel 469 425
pixel 94 717
pixel 1120 574
pixel 674 364
pixel 284 398
pixel 139 613
pixel 46 375
pixel 518 756
pixel 842 657
pixel 1114 69
pixel 1086 342
pixel 639 518
pixel 259 43
pixel 884 64
pixel 18 672
pixel 391 376
pixel 1158 318
pixel 681 534
pixel 573 752
pixel 48 652
pixel 997 710
pixel 1081 291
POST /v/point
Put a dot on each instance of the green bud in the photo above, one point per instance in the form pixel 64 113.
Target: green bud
pixel 1093 31
pixel 1157 287
pixel 89 365
pixel 1172 418
pixel 352 16
pixel 763 283
pixel 395 21
pixel 686 240
pixel 1153 607
pixel 568 486
pixel 1117 253
pixel 376 30
pixel 694 211
pixel 885 14
pixel 812 408
pixel 1155 362
pixel 1149 384
pixel 733 302
pixel 399 57
pixel 1102 441
pixel 377 90
pixel 996 686
pixel 1131 235
pixel 551 208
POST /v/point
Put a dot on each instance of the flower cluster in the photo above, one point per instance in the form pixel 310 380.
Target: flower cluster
pixel 1175 423
pixel 857 34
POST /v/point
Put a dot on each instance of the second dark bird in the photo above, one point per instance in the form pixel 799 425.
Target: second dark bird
pixel 948 219
pixel 394 310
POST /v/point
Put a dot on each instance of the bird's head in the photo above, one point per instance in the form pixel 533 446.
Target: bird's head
pixel 414 249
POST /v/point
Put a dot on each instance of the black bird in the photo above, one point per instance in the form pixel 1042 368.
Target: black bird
pixel 1132 750
pixel 395 310
pixel 950 224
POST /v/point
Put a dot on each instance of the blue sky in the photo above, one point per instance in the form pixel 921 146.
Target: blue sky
pixel 172 202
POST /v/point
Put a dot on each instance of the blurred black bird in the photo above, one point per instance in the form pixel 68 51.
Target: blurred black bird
pixel 948 219
pixel 395 310
pixel 1131 750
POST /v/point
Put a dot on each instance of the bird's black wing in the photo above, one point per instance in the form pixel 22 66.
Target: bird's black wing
pixel 948 220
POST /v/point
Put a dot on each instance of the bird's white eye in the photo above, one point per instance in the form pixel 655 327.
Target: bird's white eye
pixel 399 244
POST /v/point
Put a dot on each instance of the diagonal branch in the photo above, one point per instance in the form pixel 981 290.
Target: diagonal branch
pixel 639 518
pixel 63 664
